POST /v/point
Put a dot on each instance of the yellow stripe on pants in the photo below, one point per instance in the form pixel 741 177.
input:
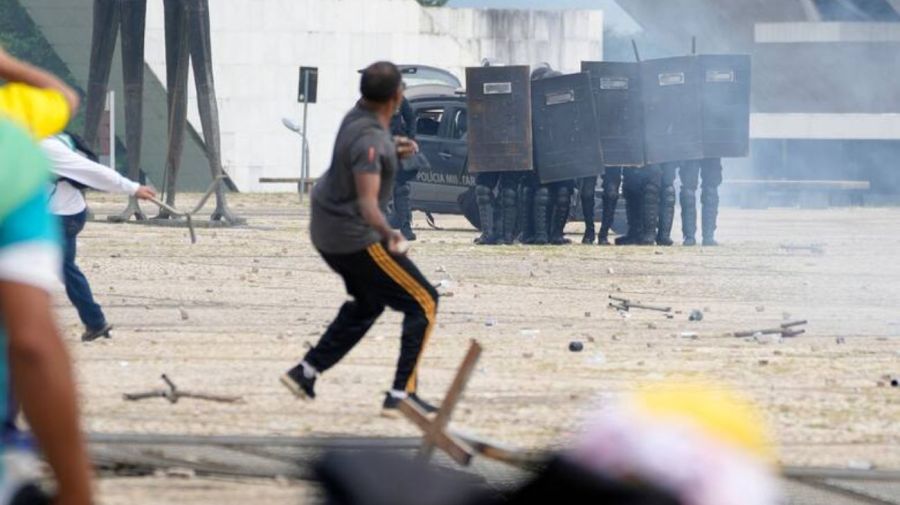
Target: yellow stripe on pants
pixel 419 294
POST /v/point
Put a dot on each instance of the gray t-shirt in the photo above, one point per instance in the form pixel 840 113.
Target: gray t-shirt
pixel 362 145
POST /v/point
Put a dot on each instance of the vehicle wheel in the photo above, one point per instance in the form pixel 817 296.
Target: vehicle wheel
pixel 469 207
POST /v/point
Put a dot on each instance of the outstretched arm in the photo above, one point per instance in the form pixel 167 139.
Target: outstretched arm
pixel 69 164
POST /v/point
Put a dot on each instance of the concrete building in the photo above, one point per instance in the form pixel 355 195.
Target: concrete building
pixel 825 101
pixel 258 47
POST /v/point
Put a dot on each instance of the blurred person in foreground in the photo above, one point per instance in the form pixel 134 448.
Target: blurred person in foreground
pixel 34 363
pixel 688 444
pixel 349 229
pixel 74 169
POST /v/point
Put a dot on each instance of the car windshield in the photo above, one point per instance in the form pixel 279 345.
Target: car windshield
pixel 419 76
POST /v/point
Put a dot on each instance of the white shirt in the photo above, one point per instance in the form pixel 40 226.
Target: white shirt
pixel 67 200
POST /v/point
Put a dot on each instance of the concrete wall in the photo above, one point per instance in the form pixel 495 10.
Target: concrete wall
pixel 259 45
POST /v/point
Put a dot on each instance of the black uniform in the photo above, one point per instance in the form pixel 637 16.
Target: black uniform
pixel 497 228
pixel 587 190
pixel 403 124
pixel 612 186
pixel 667 204
pixel 632 190
pixel 710 172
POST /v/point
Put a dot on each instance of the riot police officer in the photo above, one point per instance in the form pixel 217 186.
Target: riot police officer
pixel 709 171
pixel 494 230
pixel 552 201
pixel 404 124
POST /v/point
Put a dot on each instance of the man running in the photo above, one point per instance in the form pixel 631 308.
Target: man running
pixel 350 231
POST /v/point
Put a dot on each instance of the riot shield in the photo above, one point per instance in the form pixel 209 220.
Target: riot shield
pixel 566 138
pixel 696 107
pixel 725 99
pixel 620 111
pixel 499 103
pixel 672 109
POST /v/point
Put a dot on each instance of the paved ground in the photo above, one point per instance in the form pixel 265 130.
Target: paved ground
pixel 229 314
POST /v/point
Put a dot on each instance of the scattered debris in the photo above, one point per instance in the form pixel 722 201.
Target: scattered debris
pixel 529 332
pixel 527 355
pixel 490 322
pixel 763 362
pixel 767 338
pixel 173 394
pixel 811 248
pixel 180 473
pixel 760 308
pixel 598 359
pixel 435 433
pixel 696 315
pixel 786 330
pixel 576 346
pixel 840 340
pixel 587 314
pixel 689 335
pixel 624 304
pixel 184 314
pixel 651 326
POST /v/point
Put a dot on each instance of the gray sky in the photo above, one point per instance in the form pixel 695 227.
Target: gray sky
pixel 615 16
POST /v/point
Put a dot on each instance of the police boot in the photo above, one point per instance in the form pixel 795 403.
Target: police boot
pixel 403 211
pixel 689 216
pixel 666 216
pixel 610 203
pixel 508 202
pixel 561 210
pixel 650 214
pixel 525 208
pixel 633 216
pixel 587 208
pixel 541 219
pixel 485 201
pixel 709 201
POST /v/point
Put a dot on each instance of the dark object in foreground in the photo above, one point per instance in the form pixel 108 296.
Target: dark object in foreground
pixel 30 495
pixel 384 479
pixel 173 394
pixel 576 346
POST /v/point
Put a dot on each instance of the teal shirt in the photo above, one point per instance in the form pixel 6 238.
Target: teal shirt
pixel 29 235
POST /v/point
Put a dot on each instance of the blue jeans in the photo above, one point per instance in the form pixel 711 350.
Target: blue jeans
pixel 77 287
